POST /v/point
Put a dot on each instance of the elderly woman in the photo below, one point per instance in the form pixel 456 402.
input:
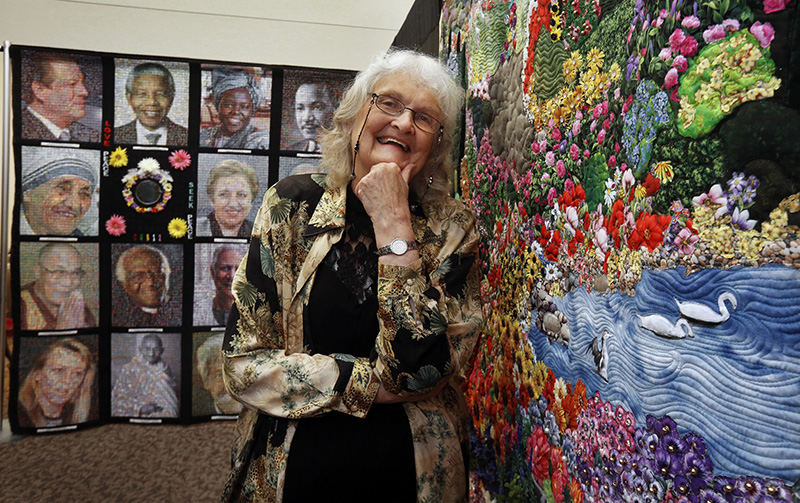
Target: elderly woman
pixel 236 97
pixel 357 308
pixel 59 388
pixel 232 186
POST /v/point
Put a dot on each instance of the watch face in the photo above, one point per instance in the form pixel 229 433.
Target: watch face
pixel 398 246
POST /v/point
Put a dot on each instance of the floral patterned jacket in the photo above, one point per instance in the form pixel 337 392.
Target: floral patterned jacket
pixel 429 320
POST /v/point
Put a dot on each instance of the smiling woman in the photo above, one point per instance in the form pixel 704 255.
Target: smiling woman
pixel 359 307
pixel 237 95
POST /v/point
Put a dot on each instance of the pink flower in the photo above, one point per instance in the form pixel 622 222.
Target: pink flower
pixel 569 185
pixel 574 152
pixel 604 107
pixel 714 33
pixel 680 63
pixel 586 153
pixel 628 180
pixel 764 32
pixel 545 176
pixel 550 159
pixel 597 111
pixel 601 136
pixel 561 170
pixel 689 47
pixel 180 159
pixel 616 147
pixel 665 54
pixel 663 13
pixel 657 22
pixel 576 128
pixel 715 195
pixel 730 24
pixel 685 241
pixel 551 194
pixel 771 6
pixel 671 80
pixel 606 124
pixel 115 225
pixel 578 115
pixel 592 126
pixel 690 22
pixel 571 215
pixel 676 39
pixel 556 134
pixel 612 161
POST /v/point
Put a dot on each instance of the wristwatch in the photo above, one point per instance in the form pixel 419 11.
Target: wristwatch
pixel 398 247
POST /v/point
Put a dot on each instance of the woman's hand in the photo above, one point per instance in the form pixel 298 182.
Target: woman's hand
pixel 384 193
pixel 386 396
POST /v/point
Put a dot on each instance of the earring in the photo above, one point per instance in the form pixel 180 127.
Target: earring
pixel 430 181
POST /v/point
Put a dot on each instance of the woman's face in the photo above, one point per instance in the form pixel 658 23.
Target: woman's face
pixel 235 110
pixel 232 200
pixel 61 376
pixel 396 139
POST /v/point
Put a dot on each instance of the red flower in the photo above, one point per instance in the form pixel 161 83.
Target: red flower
pixel 615 220
pixel 649 231
pixel 539 454
pixel 651 184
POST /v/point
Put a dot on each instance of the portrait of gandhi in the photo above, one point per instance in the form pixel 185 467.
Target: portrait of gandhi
pixel 149 92
pixel 55 93
pixel 145 386
pixel 141 296
pixel 59 186
pixel 53 300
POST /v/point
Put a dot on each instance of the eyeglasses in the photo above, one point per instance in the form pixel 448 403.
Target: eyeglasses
pixel 60 274
pixel 392 106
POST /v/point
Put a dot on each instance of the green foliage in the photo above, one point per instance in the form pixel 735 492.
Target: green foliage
pixel 550 57
pixel 595 174
pixel 698 164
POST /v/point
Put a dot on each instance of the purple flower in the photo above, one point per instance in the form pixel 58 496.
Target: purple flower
pixel 698 470
pixel 737 182
pixel 776 489
pixel 673 444
pixel 749 487
pixel 633 65
pixel 726 486
pixel 696 443
pixel 661 426
pixel 666 465
pixel 707 495
pixel 741 220
pixel 682 486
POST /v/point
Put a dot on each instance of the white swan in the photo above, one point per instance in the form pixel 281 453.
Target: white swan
pixel 660 325
pixel 702 312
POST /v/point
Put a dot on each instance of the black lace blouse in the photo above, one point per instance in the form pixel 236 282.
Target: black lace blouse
pixel 338 457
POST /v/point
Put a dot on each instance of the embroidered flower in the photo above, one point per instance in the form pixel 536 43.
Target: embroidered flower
pixel 764 32
pixel 115 225
pixel 177 228
pixel 149 165
pixel 771 6
pixel 180 159
pixel 118 158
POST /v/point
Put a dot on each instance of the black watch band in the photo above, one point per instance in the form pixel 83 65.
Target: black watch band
pixel 397 247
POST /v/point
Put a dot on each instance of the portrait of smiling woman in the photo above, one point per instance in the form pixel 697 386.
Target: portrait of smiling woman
pixel 356 308
pixel 237 95
pixel 232 186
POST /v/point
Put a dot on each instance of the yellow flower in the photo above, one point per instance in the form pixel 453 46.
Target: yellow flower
pixel 614 72
pixel 663 171
pixel 177 228
pixel 640 192
pixel 594 60
pixel 118 158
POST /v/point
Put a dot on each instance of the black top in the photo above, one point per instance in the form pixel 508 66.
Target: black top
pixel 338 457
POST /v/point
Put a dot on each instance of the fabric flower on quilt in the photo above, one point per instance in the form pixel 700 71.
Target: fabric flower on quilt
pixel 177 228
pixel 180 159
pixel 118 158
pixel 116 225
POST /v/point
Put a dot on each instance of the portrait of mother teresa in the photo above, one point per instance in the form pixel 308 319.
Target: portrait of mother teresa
pixel 57 193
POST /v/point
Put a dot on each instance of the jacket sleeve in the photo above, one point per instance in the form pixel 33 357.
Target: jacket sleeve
pixel 430 319
pixel 257 369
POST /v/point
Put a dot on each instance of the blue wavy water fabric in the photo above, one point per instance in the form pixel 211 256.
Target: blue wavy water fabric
pixel 736 383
